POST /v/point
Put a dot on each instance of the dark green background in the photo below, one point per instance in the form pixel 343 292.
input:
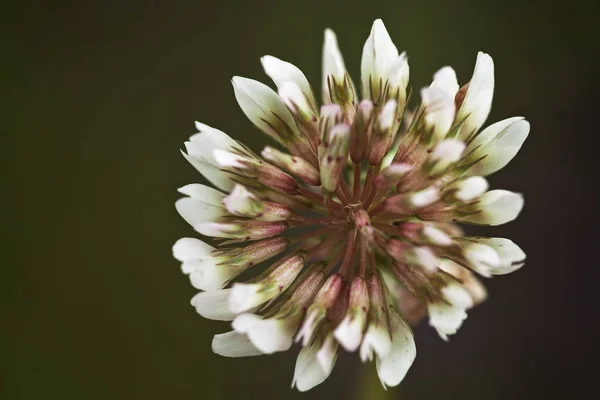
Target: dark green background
pixel 97 98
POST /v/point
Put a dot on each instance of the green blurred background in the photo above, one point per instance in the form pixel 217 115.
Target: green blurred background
pixel 98 98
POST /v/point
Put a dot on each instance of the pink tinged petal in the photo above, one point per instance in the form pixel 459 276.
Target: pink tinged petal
pixel 233 344
pixel 393 368
pixel 188 249
pixel 477 103
pixel 213 305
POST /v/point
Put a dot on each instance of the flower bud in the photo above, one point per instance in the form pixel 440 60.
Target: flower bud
pixel 242 230
pixel 242 203
pixel 383 133
pixel 245 296
pixel 334 149
pixel 315 315
pixel 391 175
pixel 438 103
pixel 377 337
pixel 337 86
pixel 293 164
pixel 349 331
pixel 445 154
pixel 253 168
pixel 412 255
pixel 466 189
pixel 361 130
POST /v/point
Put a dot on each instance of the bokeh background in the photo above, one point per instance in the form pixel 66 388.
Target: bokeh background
pixel 97 98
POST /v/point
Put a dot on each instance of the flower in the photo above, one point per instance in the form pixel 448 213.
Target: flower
pixel 354 224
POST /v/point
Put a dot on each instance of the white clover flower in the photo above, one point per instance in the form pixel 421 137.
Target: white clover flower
pixel 354 223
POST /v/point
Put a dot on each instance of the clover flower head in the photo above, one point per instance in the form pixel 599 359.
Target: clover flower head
pixel 350 217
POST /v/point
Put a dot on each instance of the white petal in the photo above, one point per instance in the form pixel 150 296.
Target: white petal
pixel 242 202
pixel 188 249
pixel 439 111
pixel 281 72
pixel 245 296
pixel 213 305
pixel 215 229
pixel 233 344
pixel 195 212
pixel 333 63
pixel 268 335
pixel 497 207
pixel 260 103
pixel 349 332
pixel 308 373
pixel 446 319
pixel 217 138
pixel 327 354
pixel 457 296
pixel 497 145
pixel 207 275
pixel 445 79
pixel 393 368
pixel 215 176
pixel 202 193
pixel 400 73
pixel 379 54
pixel 437 236
pixel 424 197
pixel 295 99
pixel 478 99
pixel 469 188
pixel 511 255
pixel 376 339
pixel 226 159
pixel 481 258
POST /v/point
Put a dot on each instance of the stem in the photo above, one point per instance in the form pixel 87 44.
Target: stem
pixel 378 209
pixel 313 220
pixel 345 190
pixel 367 181
pixel 356 183
pixel 323 245
pixel 347 261
pixel 363 258
pixel 342 195
pixel 372 261
pixel 309 235
pixel 309 194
